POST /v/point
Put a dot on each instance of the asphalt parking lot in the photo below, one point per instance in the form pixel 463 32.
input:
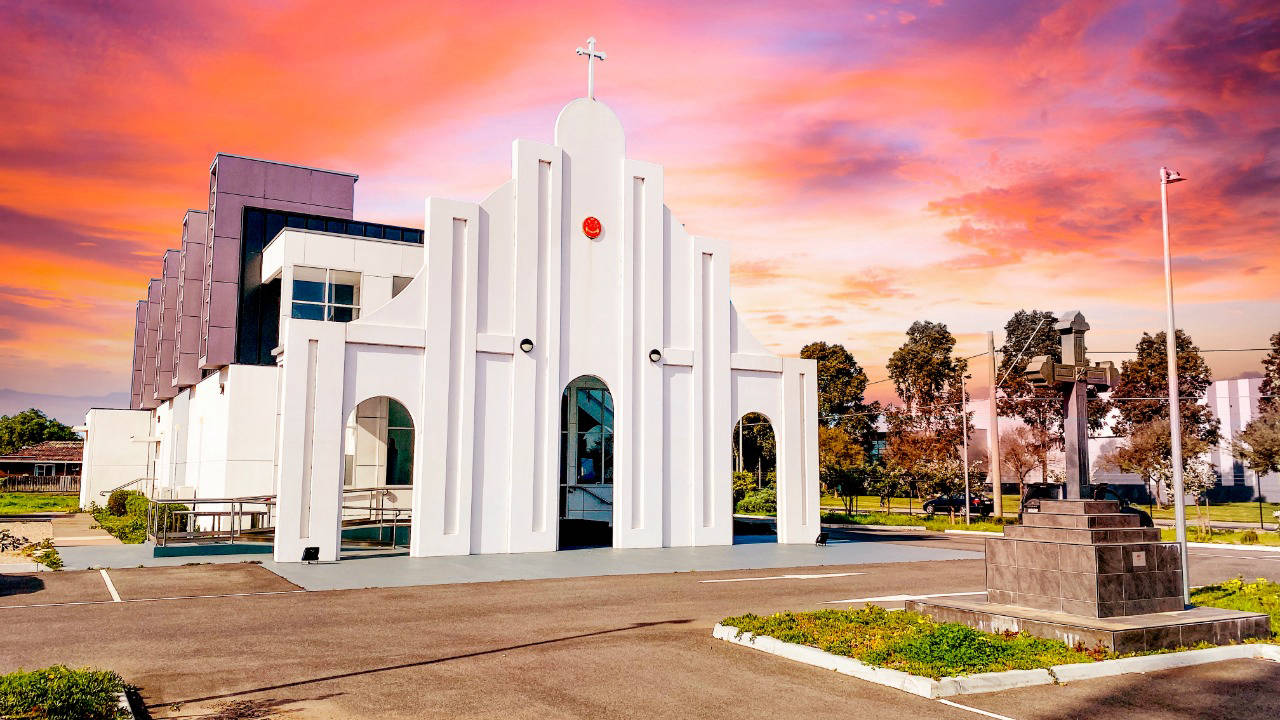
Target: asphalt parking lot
pixel 239 641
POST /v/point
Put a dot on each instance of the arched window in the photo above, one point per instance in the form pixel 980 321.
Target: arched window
pixel 378 445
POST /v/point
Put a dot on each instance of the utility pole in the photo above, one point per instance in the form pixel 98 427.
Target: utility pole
pixel 993 430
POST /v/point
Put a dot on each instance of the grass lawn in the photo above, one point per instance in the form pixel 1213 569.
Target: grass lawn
pixel 936 522
pixel 1261 595
pixel 912 642
pixel 1243 537
pixel 1245 512
pixel 910 506
pixel 20 503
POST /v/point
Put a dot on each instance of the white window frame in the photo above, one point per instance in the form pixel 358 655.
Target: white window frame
pixel 327 305
pixel 45 469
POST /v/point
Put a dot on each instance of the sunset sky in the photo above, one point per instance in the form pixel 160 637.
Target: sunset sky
pixel 869 163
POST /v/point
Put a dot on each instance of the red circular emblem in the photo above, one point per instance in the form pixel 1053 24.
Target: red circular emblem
pixel 591 227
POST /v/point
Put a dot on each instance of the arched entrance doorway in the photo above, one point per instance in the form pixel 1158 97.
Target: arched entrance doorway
pixel 586 464
pixel 755 480
pixel 377 473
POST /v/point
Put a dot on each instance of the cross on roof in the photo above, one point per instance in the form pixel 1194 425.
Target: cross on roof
pixel 592 55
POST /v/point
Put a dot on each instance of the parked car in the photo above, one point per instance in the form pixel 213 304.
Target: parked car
pixel 1098 491
pixel 954 503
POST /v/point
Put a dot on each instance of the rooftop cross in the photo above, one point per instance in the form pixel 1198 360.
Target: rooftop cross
pixel 592 55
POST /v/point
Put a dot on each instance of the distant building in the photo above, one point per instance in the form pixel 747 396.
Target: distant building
pixel 49 458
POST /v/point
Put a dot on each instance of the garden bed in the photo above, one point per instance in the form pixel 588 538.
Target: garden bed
pixel 63 693
pixel 912 652
pixel 1260 596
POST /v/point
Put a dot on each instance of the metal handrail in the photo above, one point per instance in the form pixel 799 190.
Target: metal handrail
pixel 134 481
pixel 584 489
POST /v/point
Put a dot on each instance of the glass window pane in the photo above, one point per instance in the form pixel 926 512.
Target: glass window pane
pixel 397 416
pixel 373 231
pixel 355 228
pixel 398 284
pixel 275 223
pixel 295 221
pixel 308 290
pixel 335 226
pixel 392 233
pixel 341 314
pixel 307 311
pixel 414 236
pixel 342 294
pixel 400 456
pixel 315 223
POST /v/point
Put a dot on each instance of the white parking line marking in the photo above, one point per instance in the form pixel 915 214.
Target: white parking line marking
pixel 136 600
pixel 899 598
pixel 111 588
pixel 785 577
pixel 945 701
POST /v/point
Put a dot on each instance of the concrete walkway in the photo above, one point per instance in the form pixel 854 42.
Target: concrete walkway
pixel 399 570
pixel 80 530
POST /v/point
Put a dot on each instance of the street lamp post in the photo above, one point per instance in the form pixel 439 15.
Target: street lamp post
pixel 1168 177
pixel 964 442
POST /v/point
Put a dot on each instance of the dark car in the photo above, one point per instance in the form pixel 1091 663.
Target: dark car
pixel 1098 491
pixel 954 503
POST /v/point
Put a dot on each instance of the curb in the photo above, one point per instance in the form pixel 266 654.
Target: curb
pixel 875 527
pixel 993 681
pixel 1234 546
pixel 975 532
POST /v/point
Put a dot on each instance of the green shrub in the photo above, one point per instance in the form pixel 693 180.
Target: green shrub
pixel 759 502
pixel 61 693
pixel 118 501
pixel 743 483
pixel 1249 537
pixel 136 505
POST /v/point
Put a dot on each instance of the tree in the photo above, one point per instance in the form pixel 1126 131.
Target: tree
pixel 1270 389
pixel 1146 378
pixel 841 385
pixel 927 377
pixel 1023 450
pixel 841 464
pixel 1148 452
pixel 30 427
pixel 1258 445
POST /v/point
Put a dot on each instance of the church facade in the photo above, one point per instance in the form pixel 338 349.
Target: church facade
pixel 557 365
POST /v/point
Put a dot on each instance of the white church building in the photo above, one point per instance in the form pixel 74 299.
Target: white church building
pixel 557 365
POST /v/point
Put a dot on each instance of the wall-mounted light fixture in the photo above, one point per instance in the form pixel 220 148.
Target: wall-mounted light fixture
pixel 655 355
pixel 526 345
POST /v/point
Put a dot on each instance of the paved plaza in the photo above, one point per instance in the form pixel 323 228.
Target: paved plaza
pixel 203 640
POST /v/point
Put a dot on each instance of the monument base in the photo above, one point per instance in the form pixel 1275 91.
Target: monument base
pixel 1130 633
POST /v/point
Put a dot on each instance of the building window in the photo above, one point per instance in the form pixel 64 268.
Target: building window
pixel 399 283
pixel 326 295
pixel 43 469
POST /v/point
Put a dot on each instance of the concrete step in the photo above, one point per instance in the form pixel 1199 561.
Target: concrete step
pixel 1079 507
pixel 1083 536
pixel 1101 521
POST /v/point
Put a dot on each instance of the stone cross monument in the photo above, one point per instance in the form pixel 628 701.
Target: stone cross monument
pixel 1073 376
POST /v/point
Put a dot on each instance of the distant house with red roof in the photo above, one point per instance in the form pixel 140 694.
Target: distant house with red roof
pixel 51 457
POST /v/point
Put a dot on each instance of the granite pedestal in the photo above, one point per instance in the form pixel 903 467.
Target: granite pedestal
pixel 1082 571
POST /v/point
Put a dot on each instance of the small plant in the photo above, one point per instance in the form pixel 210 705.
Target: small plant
pixel 44 553
pixel 1261 595
pixel 61 693
pixel 118 501
pixel 1249 537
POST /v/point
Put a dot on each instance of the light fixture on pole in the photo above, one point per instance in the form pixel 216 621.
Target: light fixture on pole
pixel 1167 178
